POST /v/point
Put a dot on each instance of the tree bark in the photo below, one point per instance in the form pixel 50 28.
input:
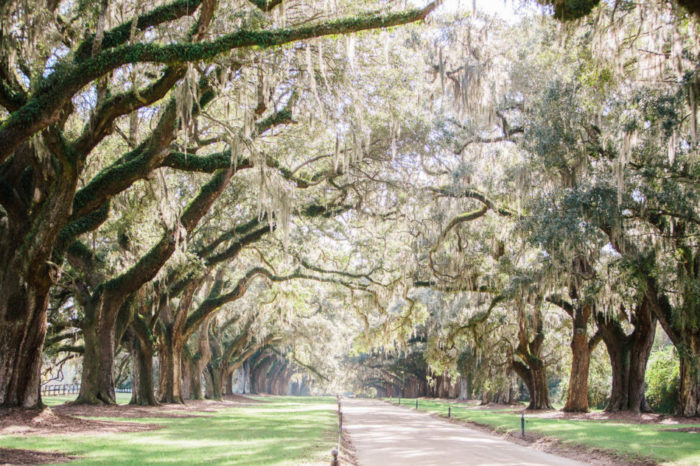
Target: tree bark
pixel 530 368
pixel 577 394
pixel 628 358
pixel 170 367
pixel 689 388
pixel 227 388
pixel 23 328
pixel 97 381
pixel 535 379
pixel 142 385
pixel 35 211
pixel 187 379
pixel 581 348
pixel 213 378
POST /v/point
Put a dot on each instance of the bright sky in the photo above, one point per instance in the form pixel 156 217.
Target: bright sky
pixel 507 9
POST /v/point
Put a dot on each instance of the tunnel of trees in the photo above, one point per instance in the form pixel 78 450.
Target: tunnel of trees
pixel 207 197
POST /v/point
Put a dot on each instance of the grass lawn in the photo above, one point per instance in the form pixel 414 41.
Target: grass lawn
pixel 279 430
pixel 655 441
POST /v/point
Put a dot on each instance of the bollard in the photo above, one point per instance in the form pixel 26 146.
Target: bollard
pixel 334 461
pixel 522 424
pixel 416 403
pixel 449 411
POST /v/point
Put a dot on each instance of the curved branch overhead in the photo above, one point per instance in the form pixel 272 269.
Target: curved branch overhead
pixel 42 107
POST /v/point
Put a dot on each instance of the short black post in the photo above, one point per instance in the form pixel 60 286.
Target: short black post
pixel 416 403
pixel 334 462
pixel 449 411
pixel 522 424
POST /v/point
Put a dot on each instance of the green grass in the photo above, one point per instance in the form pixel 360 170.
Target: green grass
pixel 653 441
pixel 279 430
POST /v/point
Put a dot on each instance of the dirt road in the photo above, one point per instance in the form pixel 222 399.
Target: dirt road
pixel 386 435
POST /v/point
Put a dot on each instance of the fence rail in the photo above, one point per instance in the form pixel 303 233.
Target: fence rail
pixel 57 390
pixel 70 389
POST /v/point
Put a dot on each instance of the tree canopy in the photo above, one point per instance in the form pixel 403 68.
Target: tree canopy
pixel 194 193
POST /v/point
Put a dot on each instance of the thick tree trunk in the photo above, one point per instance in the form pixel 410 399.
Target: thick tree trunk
pixel 142 363
pixel 539 395
pixel 186 372
pixel 170 367
pixel 532 369
pixel 581 348
pixel 642 342
pixel 23 329
pixel 689 388
pixel 465 390
pixel 628 359
pixel 535 378
pixel 97 381
pixel 28 234
pixel 100 336
pixel 213 378
pixel 258 373
pixel 191 379
pixel 227 381
pixel 199 363
pixel 577 394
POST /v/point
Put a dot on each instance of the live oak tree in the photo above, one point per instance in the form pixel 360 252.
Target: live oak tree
pixel 215 185
pixel 71 74
pixel 569 151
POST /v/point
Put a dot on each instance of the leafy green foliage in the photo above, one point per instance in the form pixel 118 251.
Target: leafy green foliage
pixel 662 379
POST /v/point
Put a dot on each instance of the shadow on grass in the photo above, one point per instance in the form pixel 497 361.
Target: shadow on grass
pixel 281 431
pixel 659 442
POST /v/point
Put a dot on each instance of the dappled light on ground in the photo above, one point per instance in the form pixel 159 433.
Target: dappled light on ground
pixel 384 435
pixel 267 431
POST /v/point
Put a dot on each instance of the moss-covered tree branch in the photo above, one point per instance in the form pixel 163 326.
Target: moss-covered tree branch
pixel 43 108
pixel 121 34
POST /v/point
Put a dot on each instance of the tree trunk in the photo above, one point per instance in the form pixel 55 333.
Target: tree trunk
pixel 535 378
pixel 23 329
pixel 191 378
pixel 465 388
pixel 530 368
pixel 689 388
pixel 227 383
pixel 28 234
pixel 581 348
pixel 213 376
pixel 142 385
pixel 186 372
pixel 628 359
pixel 100 336
pixel 97 381
pixel 577 394
pixel 170 367
pixel 539 395
pixel 199 363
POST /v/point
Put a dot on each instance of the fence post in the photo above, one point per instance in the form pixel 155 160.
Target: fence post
pixel 336 451
pixel 522 424
pixel 449 411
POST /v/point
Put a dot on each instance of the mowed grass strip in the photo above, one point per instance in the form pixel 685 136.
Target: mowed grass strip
pixel 655 441
pixel 278 431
